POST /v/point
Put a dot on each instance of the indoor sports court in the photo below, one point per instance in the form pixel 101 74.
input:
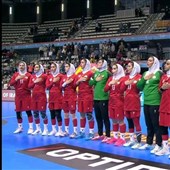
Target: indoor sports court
pixel 25 152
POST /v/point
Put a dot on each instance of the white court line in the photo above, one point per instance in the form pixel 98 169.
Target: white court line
pixel 8 117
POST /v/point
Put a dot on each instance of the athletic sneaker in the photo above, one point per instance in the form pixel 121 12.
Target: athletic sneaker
pixel 120 142
pixel 66 133
pixel 136 146
pixel 145 147
pixel 60 133
pixel 53 132
pixel 156 149
pixel 90 136
pixel 129 143
pixel 37 131
pixel 81 135
pixel 18 130
pixel 30 131
pixel 112 140
pixel 106 139
pixel 98 137
pixel 163 151
pixel 45 133
pixel 73 135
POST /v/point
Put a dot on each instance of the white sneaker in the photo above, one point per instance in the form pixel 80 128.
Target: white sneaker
pixel 73 135
pixel 37 131
pixel 156 149
pixel 60 133
pixel 144 147
pixel 45 133
pixel 66 133
pixel 30 131
pixel 53 132
pixel 136 145
pixel 18 130
pixel 163 151
pixel 129 143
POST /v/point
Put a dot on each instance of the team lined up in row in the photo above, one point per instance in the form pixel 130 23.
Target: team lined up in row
pixel 113 96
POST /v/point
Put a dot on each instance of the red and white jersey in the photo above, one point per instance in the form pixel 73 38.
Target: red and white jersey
pixel 131 95
pixel 69 90
pixel 115 94
pixel 21 86
pixel 55 91
pixel 165 100
pixel 85 91
pixel 38 89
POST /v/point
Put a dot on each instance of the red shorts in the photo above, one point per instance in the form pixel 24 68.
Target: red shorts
pixel 55 105
pixel 132 114
pixel 69 106
pixel 164 119
pixel 116 113
pixel 22 105
pixel 40 106
pixel 85 106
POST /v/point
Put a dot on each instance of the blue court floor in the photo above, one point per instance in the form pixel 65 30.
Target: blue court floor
pixel 12 144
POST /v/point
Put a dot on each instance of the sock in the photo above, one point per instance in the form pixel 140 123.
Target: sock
pixel 20 125
pixel 131 137
pixel 45 127
pixel 91 130
pixel 75 129
pixel 67 129
pixel 115 135
pixel 31 125
pixel 82 130
pixel 38 126
pixel 59 128
pixel 122 136
pixel 53 127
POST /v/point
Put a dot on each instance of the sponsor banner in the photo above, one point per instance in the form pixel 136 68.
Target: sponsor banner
pixel 83 159
pixel 9 95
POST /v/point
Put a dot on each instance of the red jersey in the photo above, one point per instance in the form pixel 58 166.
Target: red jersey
pixel 69 91
pixel 165 100
pixel 131 96
pixel 39 99
pixel 85 91
pixel 115 95
pixel 22 92
pixel 55 91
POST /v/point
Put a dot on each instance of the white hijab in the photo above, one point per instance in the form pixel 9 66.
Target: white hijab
pixel 155 67
pixel 104 66
pixel 87 66
pixel 57 71
pixel 71 70
pixel 40 72
pixel 24 71
pixel 136 69
pixel 168 72
pixel 120 72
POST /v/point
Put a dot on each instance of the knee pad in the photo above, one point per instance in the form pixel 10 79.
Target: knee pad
pixel 43 115
pixel 89 117
pixel 58 114
pixel 59 118
pixel 36 114
pixel 83 115
pixel 29 114
pixel 52 114
pixel 19 115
